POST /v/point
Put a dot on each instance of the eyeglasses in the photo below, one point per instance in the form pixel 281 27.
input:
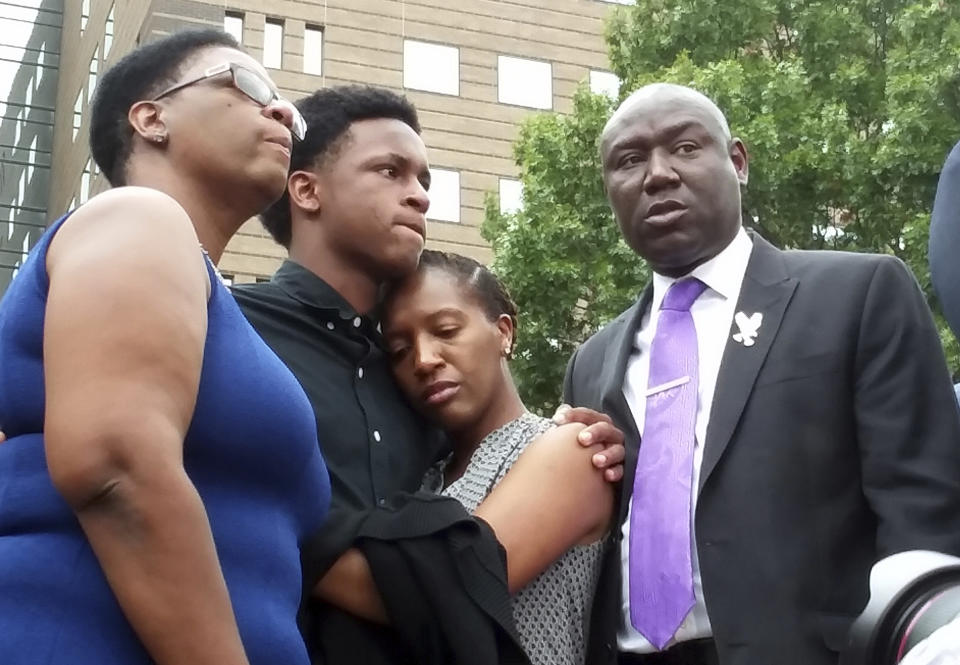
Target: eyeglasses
pixel 253 86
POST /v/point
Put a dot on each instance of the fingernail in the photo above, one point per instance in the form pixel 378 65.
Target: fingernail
pixel 586 437
pixel 600 459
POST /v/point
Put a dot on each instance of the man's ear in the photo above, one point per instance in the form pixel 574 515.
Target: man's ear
pixel 740 159
pixel 304 192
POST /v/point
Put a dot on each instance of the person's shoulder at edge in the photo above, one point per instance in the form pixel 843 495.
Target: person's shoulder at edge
pixel 142 219
pixel 599 344
pixel 140 223
pixel 143 203
pixel 837 257
pixel 253 294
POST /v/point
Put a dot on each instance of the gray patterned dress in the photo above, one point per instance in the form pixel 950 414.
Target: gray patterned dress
pixel 552 612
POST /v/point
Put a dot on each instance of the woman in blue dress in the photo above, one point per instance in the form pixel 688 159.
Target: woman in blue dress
pixel 161 466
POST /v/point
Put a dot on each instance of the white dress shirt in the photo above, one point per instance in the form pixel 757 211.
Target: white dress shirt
pixel 712 315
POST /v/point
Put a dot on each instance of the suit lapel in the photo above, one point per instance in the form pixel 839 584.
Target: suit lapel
pixel 767 288
pixel 613 374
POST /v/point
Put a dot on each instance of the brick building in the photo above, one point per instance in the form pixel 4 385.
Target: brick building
pixel 474 69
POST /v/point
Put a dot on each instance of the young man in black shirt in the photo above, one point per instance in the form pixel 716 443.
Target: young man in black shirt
pixel 353 219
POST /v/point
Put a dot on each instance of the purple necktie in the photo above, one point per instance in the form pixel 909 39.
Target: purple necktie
pixel 661 573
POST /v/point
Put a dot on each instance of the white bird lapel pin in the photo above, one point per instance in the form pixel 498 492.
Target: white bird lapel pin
pixel 748 327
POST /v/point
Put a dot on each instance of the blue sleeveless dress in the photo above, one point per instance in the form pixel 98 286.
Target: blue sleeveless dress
pixel 251 450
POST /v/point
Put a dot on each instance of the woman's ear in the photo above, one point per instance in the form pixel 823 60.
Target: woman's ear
pixel 145 118
pixel 506 328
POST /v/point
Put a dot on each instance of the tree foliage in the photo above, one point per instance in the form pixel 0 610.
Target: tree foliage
pixel 848 109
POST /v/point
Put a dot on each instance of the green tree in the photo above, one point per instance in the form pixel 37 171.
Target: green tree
pixel 848 110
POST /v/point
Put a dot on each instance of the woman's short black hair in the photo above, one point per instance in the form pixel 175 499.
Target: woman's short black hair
pixel 139 75
pixel 329 112
pixel 479 281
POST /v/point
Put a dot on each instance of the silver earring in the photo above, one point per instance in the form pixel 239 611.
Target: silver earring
pixel 159 138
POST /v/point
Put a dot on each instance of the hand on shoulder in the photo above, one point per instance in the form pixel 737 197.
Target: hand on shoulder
pixel 599 430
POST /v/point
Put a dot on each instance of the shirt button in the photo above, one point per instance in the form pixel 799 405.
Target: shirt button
pixel 356 322
pixel 376 435
pixel 330 325
pixel 360 373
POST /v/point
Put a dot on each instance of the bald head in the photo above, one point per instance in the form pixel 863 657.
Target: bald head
pixel 666 97
pixel 673 175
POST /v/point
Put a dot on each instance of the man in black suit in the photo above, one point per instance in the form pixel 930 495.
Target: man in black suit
pixel 945 242
pixel 822 433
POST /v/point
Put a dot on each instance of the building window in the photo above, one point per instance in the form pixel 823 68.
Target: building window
pixel 92 76
pixel 313 50
pixel 444 195
pixel 431 67
pixel 273 44
pixel 84 14
pixel 108 34
pixel 524 82
pixel 226 279
pixel 605 83
pixel 511 195
pixel 233 25
pixel 85 183
pixel 77 114
pixel 31 164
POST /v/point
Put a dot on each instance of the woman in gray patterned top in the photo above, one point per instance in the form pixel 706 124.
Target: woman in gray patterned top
pixel 451 329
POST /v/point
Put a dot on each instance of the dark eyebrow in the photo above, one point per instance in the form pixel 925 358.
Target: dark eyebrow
pixel 665 134
pixel 447 311
pixel 401 161
pixel 405 163
pixel 396 157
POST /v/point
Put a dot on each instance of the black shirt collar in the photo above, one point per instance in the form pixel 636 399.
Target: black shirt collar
pixel 312 290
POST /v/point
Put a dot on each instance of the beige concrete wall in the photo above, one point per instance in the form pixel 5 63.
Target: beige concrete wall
pixel 363 43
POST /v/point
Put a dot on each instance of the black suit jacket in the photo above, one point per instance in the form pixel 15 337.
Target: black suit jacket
pixel 832 442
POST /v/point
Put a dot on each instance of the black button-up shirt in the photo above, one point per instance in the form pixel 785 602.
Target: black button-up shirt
pixel 373 442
